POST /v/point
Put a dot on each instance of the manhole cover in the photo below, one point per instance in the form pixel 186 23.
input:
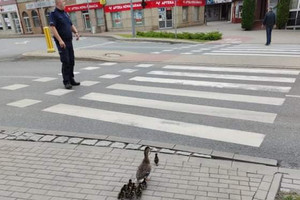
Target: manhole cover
pixel 112 55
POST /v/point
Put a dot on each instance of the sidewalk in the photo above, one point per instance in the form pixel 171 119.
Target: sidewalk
pixel 60 165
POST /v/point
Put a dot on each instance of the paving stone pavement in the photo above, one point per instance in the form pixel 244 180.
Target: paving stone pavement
pixel 61 167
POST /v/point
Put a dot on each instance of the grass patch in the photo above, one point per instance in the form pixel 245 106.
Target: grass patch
pixel 287 196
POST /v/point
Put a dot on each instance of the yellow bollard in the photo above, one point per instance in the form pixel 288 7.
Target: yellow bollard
pixel 50 48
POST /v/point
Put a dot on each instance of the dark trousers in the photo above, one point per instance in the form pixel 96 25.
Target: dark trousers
pixel 68 61
pixel 269 34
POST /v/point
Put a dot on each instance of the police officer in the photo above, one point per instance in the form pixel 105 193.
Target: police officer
pixel 62 28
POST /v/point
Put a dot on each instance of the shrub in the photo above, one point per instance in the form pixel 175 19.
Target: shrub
pixel 184 35
pixel 282 13
pixel 248 14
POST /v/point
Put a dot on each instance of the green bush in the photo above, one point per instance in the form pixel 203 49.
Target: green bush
pixel 282 13
pixel 248 14
pixel 184 35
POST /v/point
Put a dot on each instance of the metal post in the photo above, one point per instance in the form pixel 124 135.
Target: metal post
pixel 175 21
pixel 132 19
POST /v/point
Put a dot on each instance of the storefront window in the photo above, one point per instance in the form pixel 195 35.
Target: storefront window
pixel 294 4
pixel 184 14
pixel 6 20
pixel 117 19
pixel 238 11
pixel 73 18
pixel 16 22
pixel 26 22
pixel 197 14
pixel 100 17
pixel 139 17
pixel 35 18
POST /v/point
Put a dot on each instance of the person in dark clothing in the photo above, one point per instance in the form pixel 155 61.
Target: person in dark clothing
pixel 269 22
pixel 62 28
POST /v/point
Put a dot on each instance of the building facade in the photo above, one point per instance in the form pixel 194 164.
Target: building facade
pixel 30 16
pixel 116 15
pixel 9 17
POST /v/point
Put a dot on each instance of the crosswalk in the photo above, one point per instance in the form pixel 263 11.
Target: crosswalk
pixel 275 50
pixel 253 88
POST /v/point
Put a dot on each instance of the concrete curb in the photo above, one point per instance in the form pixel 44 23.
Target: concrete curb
pixel 275 186
pixel 24 134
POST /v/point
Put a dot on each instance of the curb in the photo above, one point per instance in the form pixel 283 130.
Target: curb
pixel 36 135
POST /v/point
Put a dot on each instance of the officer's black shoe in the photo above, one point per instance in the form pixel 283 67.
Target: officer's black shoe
pixel 68 86
pixel 74 83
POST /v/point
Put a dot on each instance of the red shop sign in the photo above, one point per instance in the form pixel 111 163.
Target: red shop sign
pixel 153 4
pixel 84 6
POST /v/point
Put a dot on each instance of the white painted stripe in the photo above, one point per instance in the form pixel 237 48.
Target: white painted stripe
pixel 14 87
pixel 170 126
pixel 44 79
pixel 128 70
pixel 156 52
pixel 184 108
pixel 90 68
pixel 59 92
pixel 89 83
pixel 225 76
pixel 200 94
pixel 240 54
pixel 109 76
pixel 186 53
pixel 261 49
pixel 23 103
pixel 295 96
pixel 250 52
pixel 167 50
pixel 108 64
pixel 213 84
pixel 95 45
pixel 144 65
pixel 234 69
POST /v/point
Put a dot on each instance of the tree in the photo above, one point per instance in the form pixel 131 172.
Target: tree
pixel 248 14
pixel 282 13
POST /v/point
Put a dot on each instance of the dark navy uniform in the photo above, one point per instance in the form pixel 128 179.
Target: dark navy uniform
pixel 61 20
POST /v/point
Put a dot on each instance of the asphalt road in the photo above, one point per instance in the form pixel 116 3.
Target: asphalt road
pixel 196 107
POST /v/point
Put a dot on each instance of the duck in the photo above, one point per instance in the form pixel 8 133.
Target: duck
pixel 145 167
pixel 156 159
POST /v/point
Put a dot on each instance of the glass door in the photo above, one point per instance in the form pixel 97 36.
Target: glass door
pixel 165 18
pixel 86 20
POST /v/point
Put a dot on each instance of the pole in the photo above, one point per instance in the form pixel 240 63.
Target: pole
pixel 132 19
pixel 175 15
pixel 105 21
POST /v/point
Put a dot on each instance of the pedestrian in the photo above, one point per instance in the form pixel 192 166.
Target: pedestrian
pixel 269 22
pixel 62 28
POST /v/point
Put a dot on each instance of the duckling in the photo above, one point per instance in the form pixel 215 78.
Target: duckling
pixel 144 184
pixel 129 184
pixel 139 191
pixel 133 191
pixel 145 167
pixel 122 192
pixel 156 159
